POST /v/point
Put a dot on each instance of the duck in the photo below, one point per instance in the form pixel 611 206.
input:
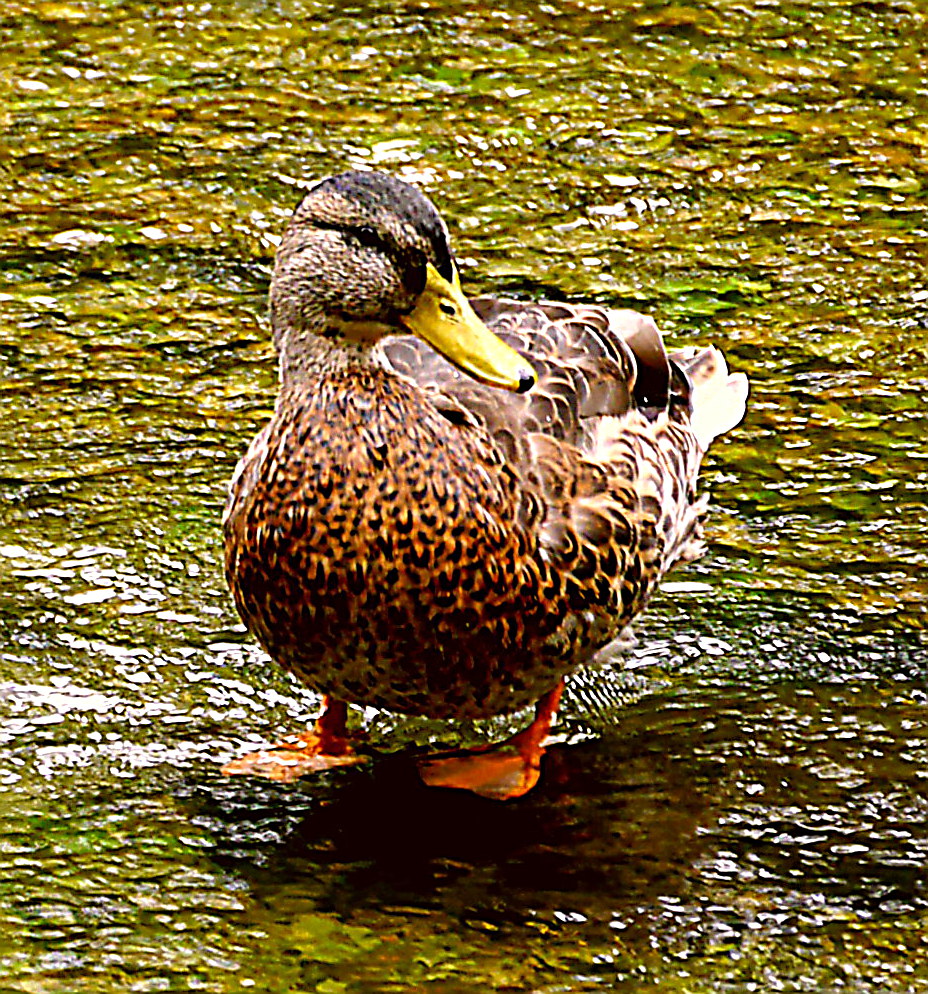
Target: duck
pixel 457 502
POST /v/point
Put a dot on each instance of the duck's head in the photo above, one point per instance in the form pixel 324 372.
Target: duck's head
pixel 366 255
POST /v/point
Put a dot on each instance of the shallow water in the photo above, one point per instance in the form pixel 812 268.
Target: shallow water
pixel 738 806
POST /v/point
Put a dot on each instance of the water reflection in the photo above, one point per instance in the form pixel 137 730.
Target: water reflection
pixel 710 824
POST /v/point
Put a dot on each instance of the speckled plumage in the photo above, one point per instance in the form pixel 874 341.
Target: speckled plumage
pixel 403 536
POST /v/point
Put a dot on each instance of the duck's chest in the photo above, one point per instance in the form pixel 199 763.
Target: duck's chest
pixel 375 557
pixel 374 499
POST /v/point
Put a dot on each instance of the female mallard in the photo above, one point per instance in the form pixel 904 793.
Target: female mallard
pixel 449 522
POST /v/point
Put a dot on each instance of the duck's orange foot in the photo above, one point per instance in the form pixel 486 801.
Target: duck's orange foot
pixel 288 761
pixel 503 772
pixel 322 747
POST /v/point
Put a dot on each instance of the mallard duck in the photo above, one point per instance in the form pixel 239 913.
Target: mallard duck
pixel 456 503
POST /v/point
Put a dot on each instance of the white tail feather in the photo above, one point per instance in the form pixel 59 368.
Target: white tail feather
pixel 719 397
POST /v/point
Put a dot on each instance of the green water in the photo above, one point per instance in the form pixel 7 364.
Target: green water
pixel 743 807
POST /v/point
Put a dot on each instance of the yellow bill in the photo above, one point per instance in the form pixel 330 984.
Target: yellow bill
pixel 444 318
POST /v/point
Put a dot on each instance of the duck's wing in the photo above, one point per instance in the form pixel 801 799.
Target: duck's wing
pixel 584 368
pixel 610 437
pixel 591 363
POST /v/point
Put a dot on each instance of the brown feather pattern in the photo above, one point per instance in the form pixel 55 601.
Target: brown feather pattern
pixel 402 536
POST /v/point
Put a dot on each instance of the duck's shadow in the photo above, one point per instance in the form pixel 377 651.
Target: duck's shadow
pixel 610 816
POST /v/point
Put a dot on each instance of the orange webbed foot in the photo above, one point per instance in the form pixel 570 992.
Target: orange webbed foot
pixel 502 772
pixel 498 774
pixel 322 747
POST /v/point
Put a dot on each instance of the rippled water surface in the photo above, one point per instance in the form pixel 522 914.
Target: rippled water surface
pixel 739 805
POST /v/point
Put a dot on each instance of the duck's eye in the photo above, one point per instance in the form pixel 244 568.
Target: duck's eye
pixel 448 309
pixel 367 236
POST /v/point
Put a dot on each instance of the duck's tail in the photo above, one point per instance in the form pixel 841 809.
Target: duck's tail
pixel 719 398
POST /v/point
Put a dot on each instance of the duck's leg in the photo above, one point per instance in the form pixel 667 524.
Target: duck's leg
pixel 509 769
pixel 321 747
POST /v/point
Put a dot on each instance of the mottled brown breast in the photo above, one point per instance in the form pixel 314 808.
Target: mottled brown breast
pixel 380 581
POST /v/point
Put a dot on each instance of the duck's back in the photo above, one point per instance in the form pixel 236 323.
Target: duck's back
pixel 612 435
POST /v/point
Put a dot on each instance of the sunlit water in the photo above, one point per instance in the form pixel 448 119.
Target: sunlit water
pixel 739 804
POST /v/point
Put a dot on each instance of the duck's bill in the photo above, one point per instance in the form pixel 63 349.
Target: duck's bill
pixel 444 318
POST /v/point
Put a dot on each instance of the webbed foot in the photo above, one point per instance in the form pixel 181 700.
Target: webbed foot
pixel 322 747
pixel 500 772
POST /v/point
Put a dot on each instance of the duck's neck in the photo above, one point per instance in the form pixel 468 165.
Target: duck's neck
pixel 307 359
